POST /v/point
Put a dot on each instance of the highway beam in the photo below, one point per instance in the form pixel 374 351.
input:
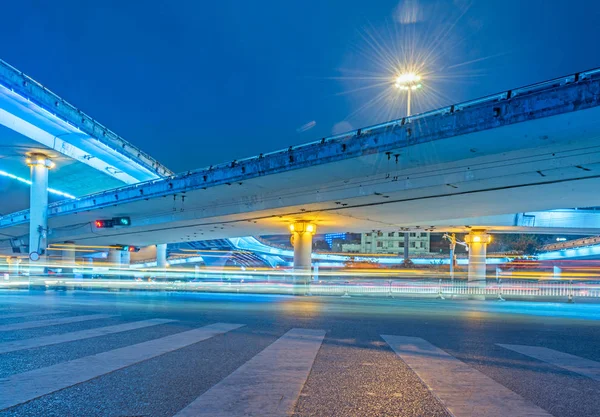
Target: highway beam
pixel 574 93
pixel 82 129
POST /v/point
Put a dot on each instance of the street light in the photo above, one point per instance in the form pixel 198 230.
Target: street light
pixel 409 82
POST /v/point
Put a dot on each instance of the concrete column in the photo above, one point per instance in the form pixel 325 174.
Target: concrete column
pixel 89 266
pixel 302 233
pixel 125 259
pixel 68 254
pixel 114 258
pixel 477 241
pixel 38 206
pixel 161 255
pixel 302 237
pixel 13 267
pixel 68 259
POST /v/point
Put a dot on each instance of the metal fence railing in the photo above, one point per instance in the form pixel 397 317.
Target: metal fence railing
pixel 441 288
pixel 445 288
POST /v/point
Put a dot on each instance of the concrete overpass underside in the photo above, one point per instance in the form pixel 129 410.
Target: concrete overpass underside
pixel 523 151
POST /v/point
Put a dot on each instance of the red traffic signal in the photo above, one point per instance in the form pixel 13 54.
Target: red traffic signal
pixel 103 224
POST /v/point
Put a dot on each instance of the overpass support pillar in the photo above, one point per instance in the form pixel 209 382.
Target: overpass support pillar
pixel 13 267
pixel 161 255
pixel 125 264
pixel 68 258
pixel 114 258
pixel 68 254
pixel 39 165
pixel 302 239
pixel 477 241
pixel 125 259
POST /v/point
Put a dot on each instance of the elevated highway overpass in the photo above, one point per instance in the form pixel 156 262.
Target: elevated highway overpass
pixel 87 156
pixel 41 131
pixel 525 150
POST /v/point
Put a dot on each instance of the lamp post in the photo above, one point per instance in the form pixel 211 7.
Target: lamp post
pixel 408 82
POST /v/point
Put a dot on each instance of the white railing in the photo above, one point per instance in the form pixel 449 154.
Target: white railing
pixel 443 288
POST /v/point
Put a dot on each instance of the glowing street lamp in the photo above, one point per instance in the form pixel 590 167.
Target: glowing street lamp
pixel 409 82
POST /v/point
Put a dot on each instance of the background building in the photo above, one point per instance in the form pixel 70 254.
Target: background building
pixel 389 243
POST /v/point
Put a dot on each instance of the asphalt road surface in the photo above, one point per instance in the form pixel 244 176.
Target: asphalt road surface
pixel 177 354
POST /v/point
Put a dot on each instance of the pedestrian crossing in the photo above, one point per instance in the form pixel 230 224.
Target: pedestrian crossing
pixel 267 385
pixel 26 386
pixel 79 335
pixel 26 314
pixel 462 389
pixel 575 364
pixel 52 322
pixel 271 382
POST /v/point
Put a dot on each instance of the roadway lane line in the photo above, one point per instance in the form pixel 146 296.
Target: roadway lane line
pixel 27 314
pixel 79 335
pixel 19 388
pixel 267 385
pixel 463 390
pixel 52 322
pixel 581 366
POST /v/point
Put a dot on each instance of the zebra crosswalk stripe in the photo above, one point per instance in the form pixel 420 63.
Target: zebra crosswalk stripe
pixel 581 366
pixel 52 322
pixel 463 390
pixel 27 314
pixel 26 386
pixel 268 385
pixel 36 342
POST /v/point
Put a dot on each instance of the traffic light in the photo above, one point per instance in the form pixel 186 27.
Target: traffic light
pixel 114 222
pixel 127 248
pixel 121 221
pixel 103 224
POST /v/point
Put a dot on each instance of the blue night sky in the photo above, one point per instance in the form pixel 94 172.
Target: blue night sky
pixel 196 83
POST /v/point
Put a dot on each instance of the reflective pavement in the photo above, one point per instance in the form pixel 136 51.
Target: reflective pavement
pixel 181 354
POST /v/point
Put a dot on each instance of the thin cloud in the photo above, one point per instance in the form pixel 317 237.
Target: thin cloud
pixel 341 127
pixel 306 126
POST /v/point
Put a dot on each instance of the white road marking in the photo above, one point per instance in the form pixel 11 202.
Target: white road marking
pixel 26 386
pixel 52 322
pixel 463 390
pixel 581 366
pixel 267 385
pixel 79 335
pixel 27 314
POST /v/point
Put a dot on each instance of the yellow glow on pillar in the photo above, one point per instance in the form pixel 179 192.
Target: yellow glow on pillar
pixel 478 237
pixel 302 227
pixel 41 161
